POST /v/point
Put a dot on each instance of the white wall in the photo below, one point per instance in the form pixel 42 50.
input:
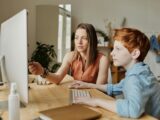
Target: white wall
pixel 47 24
pixel 141 14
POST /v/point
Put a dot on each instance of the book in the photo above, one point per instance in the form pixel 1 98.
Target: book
pixel 70 112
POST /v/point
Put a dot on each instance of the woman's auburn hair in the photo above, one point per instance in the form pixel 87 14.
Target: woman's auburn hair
pixel 92 40
pixel 132 39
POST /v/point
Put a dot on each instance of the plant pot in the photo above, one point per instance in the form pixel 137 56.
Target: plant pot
pixel 42 81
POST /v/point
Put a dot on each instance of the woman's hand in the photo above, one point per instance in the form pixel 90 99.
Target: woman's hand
pixel 79 84
pixel 36 68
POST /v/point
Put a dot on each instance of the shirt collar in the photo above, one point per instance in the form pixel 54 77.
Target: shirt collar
pixel 134 69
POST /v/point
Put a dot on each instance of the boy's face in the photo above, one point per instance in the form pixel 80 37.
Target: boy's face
pixel 121 56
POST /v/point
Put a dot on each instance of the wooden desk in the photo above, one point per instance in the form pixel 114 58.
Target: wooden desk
pixel 42 97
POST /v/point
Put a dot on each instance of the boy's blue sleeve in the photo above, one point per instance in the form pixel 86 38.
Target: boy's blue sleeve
pixel 114 89
pixel 134 103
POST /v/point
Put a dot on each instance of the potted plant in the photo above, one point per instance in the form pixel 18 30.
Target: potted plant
pixel 46 56
pixel 103 39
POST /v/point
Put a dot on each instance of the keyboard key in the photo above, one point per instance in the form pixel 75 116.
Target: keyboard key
pixel 76 93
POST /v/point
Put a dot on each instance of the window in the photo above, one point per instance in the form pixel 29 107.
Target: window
pixel 64 30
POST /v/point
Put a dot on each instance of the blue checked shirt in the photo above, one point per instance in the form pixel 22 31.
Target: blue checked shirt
pixel 141 92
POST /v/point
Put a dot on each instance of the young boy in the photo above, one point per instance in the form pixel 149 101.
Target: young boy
pixel 140 88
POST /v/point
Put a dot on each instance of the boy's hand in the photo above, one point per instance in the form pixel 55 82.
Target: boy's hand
pixel 86 101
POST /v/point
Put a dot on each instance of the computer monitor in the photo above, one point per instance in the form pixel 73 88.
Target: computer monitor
pixel 13 53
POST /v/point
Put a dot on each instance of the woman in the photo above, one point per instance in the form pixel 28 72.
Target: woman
pixel 85 62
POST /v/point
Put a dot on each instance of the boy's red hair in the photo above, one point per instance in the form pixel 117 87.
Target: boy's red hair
pixel 133 38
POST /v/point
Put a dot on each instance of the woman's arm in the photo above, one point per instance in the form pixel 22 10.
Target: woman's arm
pixel 111 89
pixel 37 69
pixel 80 84
pixel 103 71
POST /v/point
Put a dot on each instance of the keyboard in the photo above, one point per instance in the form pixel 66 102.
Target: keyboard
pixel 77 93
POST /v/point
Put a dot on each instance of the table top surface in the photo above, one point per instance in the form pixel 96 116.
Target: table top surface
pixel 43 97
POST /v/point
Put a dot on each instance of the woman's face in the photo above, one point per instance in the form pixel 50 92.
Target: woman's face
pixel 81 40
pixel 120 55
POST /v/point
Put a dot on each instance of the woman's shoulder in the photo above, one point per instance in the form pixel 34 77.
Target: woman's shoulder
pixel 70 54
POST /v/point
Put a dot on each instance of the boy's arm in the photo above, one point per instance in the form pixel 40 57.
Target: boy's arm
pixel 94 102
pixel 134 103
pixel 114 89
pixel 107 104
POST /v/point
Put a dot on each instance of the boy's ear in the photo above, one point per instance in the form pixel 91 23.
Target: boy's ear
pixel 135 53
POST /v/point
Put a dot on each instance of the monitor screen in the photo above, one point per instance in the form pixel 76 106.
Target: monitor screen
pixel 13 48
